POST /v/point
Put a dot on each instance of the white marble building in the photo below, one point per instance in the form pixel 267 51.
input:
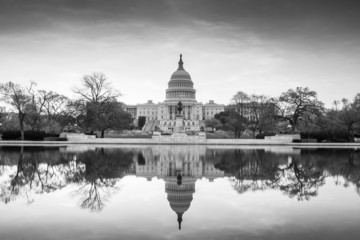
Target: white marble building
pixel 180 88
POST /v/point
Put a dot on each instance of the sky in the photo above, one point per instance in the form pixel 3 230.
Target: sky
pixel 255 46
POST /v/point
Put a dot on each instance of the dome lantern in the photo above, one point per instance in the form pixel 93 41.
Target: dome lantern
pixel 181 63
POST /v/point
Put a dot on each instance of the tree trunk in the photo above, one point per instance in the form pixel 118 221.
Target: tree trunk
pixel 21 121
pixel 350 128
pixel 102 133
pixel 237 134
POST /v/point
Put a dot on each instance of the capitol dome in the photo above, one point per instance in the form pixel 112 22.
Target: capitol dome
pixel 180 74
pixel 180 86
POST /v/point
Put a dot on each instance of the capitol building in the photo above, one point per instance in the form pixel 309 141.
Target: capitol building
pixel 163 114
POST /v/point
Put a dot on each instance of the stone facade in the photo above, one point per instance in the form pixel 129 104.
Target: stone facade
pixel 212 108
pixel 180 88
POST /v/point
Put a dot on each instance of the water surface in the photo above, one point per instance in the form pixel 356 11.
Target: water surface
pixel 179 192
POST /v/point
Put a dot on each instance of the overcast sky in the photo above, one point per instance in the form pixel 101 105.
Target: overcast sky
pixel 255 46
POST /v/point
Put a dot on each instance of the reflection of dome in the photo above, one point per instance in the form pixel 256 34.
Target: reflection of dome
pixel 180 203
pixel 180 196
pixel 180 85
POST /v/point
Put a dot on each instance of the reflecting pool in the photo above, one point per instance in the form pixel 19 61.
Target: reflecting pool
pixel 179 192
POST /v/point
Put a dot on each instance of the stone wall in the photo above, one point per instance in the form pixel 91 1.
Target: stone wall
pixel 179 137
pixel 286 138
pixel 76 136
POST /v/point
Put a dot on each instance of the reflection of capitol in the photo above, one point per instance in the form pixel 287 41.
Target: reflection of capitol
pixel 180 167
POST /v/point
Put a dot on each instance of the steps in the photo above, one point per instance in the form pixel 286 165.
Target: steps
pixel 150 125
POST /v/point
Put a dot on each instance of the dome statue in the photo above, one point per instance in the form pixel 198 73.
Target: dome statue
pixel 180 73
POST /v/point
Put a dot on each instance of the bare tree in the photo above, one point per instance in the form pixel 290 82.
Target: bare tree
pixel 241 101
pixel 19 98
pixel 46 106
pixel 96 89
pixel 336 104
pixel 37 107
pixel 55 105
pixel 75 112
pixel 260 111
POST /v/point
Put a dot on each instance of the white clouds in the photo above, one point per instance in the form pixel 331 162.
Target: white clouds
pixel 138 50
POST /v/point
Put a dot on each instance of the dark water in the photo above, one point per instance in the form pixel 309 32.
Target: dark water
pixel 149 192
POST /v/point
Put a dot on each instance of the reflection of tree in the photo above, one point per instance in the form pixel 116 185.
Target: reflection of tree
pixel 298 176
pixel 349 170
pixel 92 196
pixel 250 170
pixel 43 170
pixel 10 192
pixel 299 180
pixel 103 168
pixel 32 175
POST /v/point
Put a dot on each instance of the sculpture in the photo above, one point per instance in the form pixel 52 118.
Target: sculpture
pixel 179 108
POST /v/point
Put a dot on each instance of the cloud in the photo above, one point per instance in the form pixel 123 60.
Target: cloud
pixel 249 44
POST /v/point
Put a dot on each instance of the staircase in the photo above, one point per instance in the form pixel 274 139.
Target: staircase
pixel 150 125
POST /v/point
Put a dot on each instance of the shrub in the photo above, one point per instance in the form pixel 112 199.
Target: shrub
pixel 91 134
pixel 326 136
pixel 263 135
pixel 52 135
pixel 11 135
pixel 61 139
pixel 29 135
pixel 35 135
pixel 55 139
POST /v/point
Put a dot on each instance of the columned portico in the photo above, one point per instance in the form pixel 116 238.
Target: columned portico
pixel 187 112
